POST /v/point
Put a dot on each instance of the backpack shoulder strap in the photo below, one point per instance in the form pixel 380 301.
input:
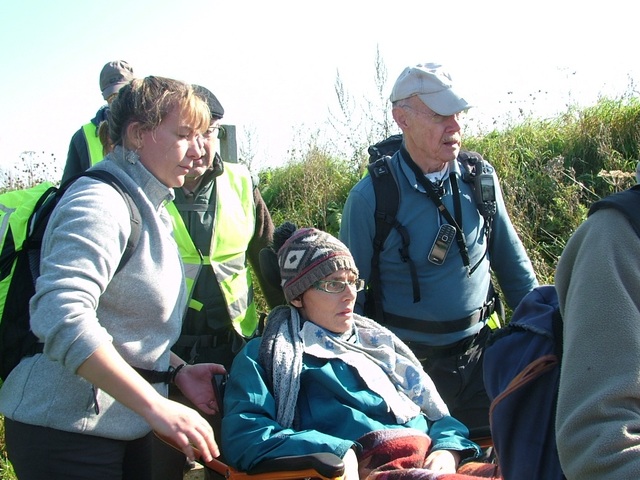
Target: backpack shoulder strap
pixel 627 202
pixel 558 335
pixel 479 174
pixel 387 200
pixel 134 212
pixel 387 197
pixel 386 147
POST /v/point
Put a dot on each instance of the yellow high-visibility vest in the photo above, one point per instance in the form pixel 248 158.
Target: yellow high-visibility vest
pixel 233 229
pixel 94 145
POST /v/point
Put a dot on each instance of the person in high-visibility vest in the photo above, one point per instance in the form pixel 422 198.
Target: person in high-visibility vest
pixel 86 147
pixel 220 223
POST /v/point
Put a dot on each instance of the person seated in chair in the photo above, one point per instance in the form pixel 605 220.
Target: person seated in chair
pixel 324 379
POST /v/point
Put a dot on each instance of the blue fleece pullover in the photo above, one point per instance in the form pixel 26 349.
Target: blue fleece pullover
pixel 447 291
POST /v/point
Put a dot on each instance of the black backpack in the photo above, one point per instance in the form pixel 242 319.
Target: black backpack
pixel 475 171
pixel 20 263
pixel 522 373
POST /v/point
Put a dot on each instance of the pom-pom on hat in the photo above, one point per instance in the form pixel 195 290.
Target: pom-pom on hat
pixel 308 255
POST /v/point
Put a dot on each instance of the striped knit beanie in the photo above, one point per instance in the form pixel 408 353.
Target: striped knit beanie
pixel 309 255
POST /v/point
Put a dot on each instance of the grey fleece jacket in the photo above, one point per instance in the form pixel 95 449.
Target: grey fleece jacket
pixel 80 304
pixel 598 413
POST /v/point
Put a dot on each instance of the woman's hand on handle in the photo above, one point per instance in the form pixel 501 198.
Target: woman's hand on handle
pixel 180 425
pixel 196 383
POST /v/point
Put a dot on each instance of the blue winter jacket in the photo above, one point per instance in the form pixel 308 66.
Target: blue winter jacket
pixel 335 409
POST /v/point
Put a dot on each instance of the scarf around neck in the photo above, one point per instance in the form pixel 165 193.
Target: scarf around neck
pixel 384 362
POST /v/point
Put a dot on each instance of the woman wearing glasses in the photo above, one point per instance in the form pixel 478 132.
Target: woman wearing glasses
pixel 323 379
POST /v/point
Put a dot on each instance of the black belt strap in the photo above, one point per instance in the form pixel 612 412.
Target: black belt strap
pixel 207 341
pixel 428 326
pixel 441 351
pixel 197 343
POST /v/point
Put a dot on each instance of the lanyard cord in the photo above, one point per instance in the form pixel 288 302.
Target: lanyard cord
pixel 435 198
pixel 458 211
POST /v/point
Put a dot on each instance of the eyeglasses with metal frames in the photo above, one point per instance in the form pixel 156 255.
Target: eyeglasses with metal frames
pixel 338 286
pixel 433 116
pixel 214 131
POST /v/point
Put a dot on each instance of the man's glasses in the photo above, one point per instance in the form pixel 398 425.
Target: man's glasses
pixel 337 286
pixel 433 116
pixel 214 131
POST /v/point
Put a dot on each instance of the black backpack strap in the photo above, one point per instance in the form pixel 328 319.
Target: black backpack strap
pixel 134 212
pixel 558 339
pixel 473 165
pixel 23 342
pixel 43 209
pixel 385 148
pixel 627 202
pixel 387 201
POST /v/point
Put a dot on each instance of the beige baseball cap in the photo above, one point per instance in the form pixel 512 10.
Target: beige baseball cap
pixel 433 85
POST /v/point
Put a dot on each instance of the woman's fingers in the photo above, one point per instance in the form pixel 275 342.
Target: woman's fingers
pixel 203 444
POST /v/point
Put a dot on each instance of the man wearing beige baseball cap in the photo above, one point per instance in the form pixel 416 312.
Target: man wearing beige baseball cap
pixel 86 147
pixel 430 281
pixel 433 86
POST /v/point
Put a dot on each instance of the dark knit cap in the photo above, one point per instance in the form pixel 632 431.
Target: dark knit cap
pixel 217 112
pixel 309 255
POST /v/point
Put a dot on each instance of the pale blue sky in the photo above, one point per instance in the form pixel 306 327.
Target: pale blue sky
pixel 273 63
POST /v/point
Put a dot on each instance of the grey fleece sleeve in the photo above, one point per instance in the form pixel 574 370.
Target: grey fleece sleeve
pixel 598 414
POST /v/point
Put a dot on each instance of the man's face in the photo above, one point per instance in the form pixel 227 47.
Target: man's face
pixel 427 134
pixel 210 144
